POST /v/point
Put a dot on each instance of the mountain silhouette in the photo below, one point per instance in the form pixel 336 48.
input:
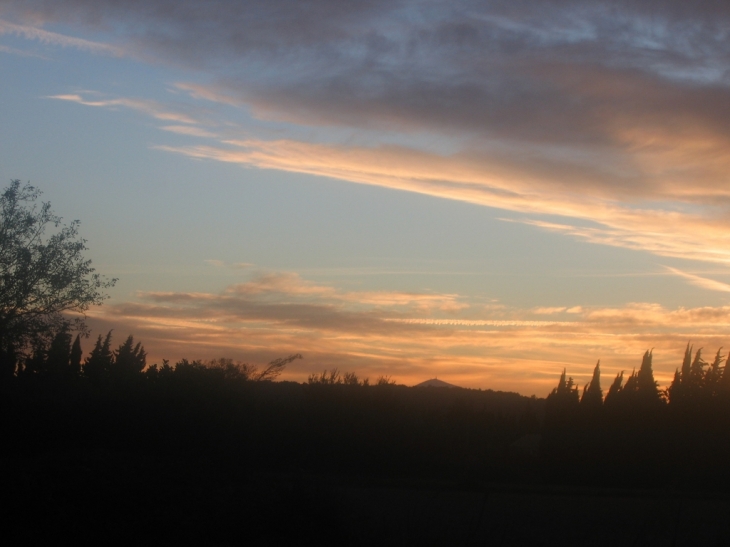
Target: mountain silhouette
pixel 435 382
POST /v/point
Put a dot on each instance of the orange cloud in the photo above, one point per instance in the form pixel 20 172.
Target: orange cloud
pixel 408 335
pixel 491 182
pixel 702 282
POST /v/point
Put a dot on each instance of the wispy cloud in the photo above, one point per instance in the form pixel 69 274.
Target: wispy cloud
pixel 652 228
pixel 231 265
pixel 52 38
pixel 702 282
pixel 549 310
pixel 148 107
pixel 188 130
pixel 20 52
pixel 208 93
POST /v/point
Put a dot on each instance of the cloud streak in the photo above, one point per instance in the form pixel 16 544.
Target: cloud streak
pixel 653 228
pixel 55 39
pixel 148 107
pixel 702 282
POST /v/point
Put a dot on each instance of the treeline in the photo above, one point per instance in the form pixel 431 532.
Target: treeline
pixel 634 434
pixel 698 386
pixel 640 435
pixel 61 359
pixel 335 421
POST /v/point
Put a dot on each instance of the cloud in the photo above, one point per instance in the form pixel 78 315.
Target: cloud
pixel 148 107
pixel 548 311
pixel 702 282
pixel 188 130
pixel 231 265
pixel 52 38
pixel 411 336
pixel 208 93
pixel 698 234
pixel 610 115
pixel 19 52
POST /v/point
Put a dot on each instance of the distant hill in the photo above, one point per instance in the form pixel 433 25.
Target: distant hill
pixel 435 382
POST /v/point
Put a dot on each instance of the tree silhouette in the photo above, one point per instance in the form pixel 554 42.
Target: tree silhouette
pixel 99 363
pixel 58 358
pixel 614 392
pixel 43 273
pixel 693 383
pixel 246 372
pixel 561 405
pixel 593 394
pixel 647 389
pixel 128 359
pixel 724 380
pixel 75 357
pixel 697 372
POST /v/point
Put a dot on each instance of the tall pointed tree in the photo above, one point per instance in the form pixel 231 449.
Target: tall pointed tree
pixel 647 389
pixel 686 365
pixel 562 402
pixel 75 358
pixel 129 359
pixel 613 395
pixel 725 377
pixel 675 389
pixel 593 394
pixel 58 357
pixel 697 371
pixel 713 375
pixel 99 363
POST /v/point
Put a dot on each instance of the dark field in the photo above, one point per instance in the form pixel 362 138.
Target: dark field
pixel 133 497
pixel 241 463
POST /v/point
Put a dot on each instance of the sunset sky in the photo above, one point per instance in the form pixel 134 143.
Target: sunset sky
pixel 485 192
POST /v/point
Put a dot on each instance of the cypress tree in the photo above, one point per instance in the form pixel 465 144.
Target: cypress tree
pixel 725 377
pixel 99 362
pixel 632 385
pixel 686 365
pixel 713 375
pixel 75 358
pixel 58 357
pixel 696 382
pixel 647 389
pixel 675 388
pixel 562 402
pixel 615 389
pixel 592 393
pixel 36 362
pixel 562 384
pixel 129 359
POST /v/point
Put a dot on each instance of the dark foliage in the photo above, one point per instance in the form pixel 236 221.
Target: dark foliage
pixel 43 276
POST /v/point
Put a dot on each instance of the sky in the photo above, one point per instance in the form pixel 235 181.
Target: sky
pixel 483 192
